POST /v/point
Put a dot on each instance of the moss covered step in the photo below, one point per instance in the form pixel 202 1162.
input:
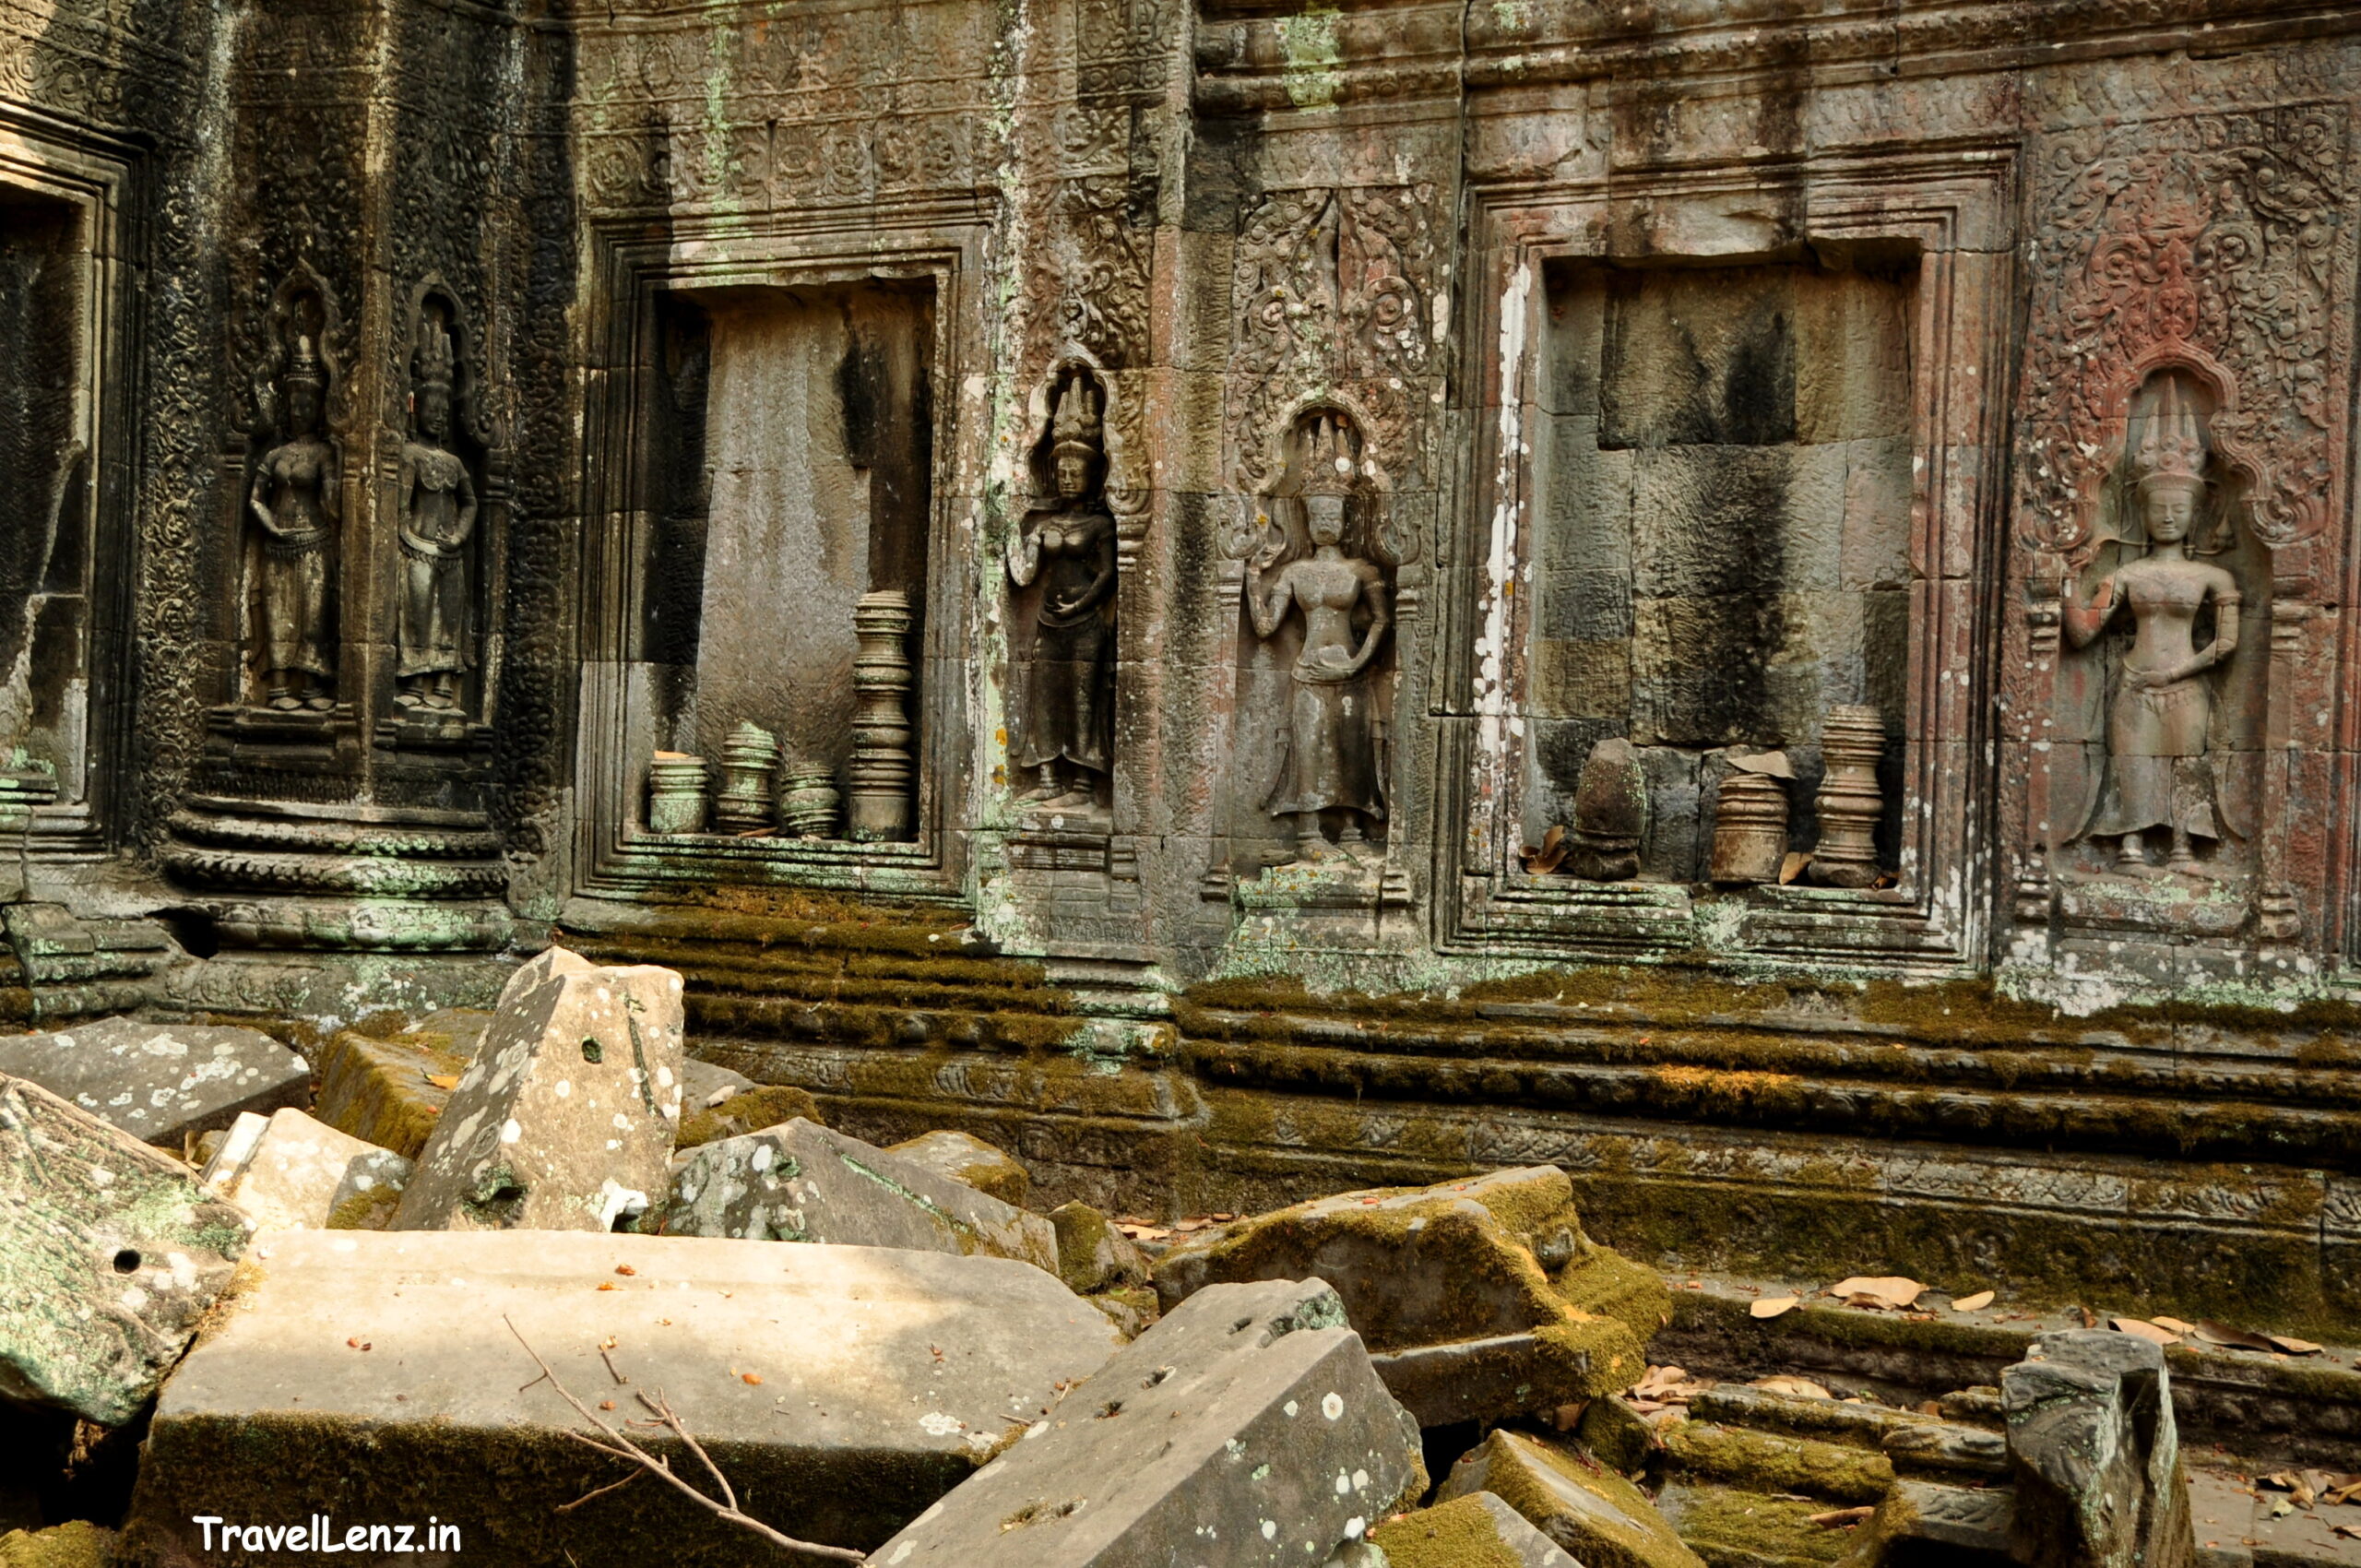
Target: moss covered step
pixel 391 1091
pixel 2270 1411
pixel 1475 1532
pixel 1599 1517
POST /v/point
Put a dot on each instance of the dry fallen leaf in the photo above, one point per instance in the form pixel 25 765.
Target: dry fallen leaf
pixel 1773 1306
pixel 443 1080
pixel 2341 1489
pixel 1549 855
pixel 2293 1346
pixel 1975 1303
pixel 1890 1291
pixel 2212 1333
pixel 1842 1518
pixel 607 1284
pixel 2174 1323
pixel 2142 1328
pixel 755 1378
pixel 1793 1387
pixel 1793 866
pixel 625 1268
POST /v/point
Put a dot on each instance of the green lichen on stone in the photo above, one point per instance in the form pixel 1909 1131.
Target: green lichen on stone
pixel 77 1544
pixel 1458 1534
pixel 1768 1462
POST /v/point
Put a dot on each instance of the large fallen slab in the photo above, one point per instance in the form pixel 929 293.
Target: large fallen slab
pixel 800 1182
pixel 373 1376
pixel 1246 1428
pixel 564 1119
pixel 963 1157
pixel 1602 1519
pixel 1481 1299
pixel 290 1172
pixel 162 1083
pixel 110 1253
pixel 389 1092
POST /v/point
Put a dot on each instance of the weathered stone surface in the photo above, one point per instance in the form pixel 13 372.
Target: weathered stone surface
pixel 1602 1519
pixel 801 1182
pixel 966 1157
pixel 1968 1526
pixel 1610 814
pixel 109 1253
pixel 2096 1455
pixel 765 1106
pixel 565 1120
pixel 388 1092
pixel 1479 1299
pixel 705 1084
pixel 1476 1530
pixel 374 1376
pixel 1092 1254
pixel 292 1172
pixel 1247 1427
pixel 160 1082
pixel 77 1544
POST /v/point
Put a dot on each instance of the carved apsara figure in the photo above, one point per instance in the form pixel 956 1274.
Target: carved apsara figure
pixel 1328 758
pixel 1068 546
pixel 2158 773
pixel 438 517
pixel 294 499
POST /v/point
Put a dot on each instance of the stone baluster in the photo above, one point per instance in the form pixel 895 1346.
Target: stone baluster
pixel 1850 744
pixel 880 807
pixel 1749 829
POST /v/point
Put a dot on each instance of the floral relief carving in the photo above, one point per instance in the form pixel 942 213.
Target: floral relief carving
pixel 1332 291
pixel 2214 241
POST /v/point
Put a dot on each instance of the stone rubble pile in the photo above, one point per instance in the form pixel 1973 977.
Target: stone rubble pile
pixel 492 1254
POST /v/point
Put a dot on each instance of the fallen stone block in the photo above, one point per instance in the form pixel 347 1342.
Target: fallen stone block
pixel 2096 1455
pixel 373 1376
pixel 1479 1299
pixel 801 1182
pixel 290 1172
pixel 388 1092
pixel 764 1106
pixel 1475 1532
pixel 1921 1521
pixel 1602 1519
pixel 1092 1254
pixel 1246 1428
pixel 162 1083
pixel 110 1252
pixel 564 1119
pixel 705 1084
pixel 964 1157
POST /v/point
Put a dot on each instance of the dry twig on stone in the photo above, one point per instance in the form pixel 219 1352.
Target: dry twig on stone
pixel 621 1448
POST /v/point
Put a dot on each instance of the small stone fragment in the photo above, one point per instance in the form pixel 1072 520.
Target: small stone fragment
pixel 112 1252
pixel 1247 1428
pixel 292 1173
pixel 160 1082
pixel 2097 1454
pixel 77 1544
pixel 1481 1299
pixel 747 1112
pixel 801 1182
pixel 706 1084
pixel 1475 1532
pixel 843 1389
pixel 387 1092
pixel 1602 1519
pixel 964 1157
pixel 565 1120
pixel 1092 1254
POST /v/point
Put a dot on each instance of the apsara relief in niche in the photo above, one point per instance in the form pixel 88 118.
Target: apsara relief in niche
pixel 437 530
pixel 294 502
pixel 1063 564
pixel 2179 431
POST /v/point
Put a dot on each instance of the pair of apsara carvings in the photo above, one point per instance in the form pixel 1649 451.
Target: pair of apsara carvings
pixel 296 499
pixel 1064 549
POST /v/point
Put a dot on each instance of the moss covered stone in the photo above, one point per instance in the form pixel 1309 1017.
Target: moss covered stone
pixel 1772 1462
pixel 1475 1532
pixel 964 1157
pixel 1743 1528
pixel 1602 1519
pixel 387 1092
pixel 748 1112
pixel 75 1544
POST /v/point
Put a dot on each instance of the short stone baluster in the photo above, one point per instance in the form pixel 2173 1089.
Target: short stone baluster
pixel 749 762
pixel 880 807
pixel 1749 829
pixel 1850 744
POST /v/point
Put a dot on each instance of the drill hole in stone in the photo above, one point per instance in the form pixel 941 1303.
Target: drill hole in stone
pixel 127 1261
pixel 592 1051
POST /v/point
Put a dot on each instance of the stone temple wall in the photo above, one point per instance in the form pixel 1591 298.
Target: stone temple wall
pixel 1748 599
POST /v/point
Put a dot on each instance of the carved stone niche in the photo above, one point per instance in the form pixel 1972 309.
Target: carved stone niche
pixel 790 454
pixel 1309 762
pixel 1720 556
pixel 52 311
pixel 1063 565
